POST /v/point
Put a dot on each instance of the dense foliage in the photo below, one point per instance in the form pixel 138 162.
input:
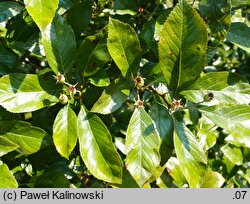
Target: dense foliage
pixel 124 93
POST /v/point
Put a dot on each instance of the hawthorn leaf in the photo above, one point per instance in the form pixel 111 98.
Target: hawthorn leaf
pixel 92 54
pixel 6 146
pixel 97 149
pixel 124 47
pixel 218 14
pixel 27 138
pixel 100 78
pixel 22 93
pixel 59 44
pixel 127 181
pixel 9 10
pixel 240 2
pixel 234 154
pixel 7 179
pixel 190 155
pixel 239 35
pixel 182 47
pixel 112 97
pixel 235 118
pixel 226 88
pixel 213 179
pixel 164 125
pixel 42 11
pixel 142 147
pixel 65 131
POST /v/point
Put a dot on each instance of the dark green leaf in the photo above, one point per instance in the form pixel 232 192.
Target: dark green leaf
pixel 59 45
pixel 218 14
pixel 182 47
pixel 65 131
pixel 239 35
pixel 29 139
pixel 21 93
pixel 9 10
pixel 190 155
pixel 92 54
pixel 8 60
pixel 7 180
pixel 97 149
pixel 142 146
pixel 78 17
pixel 124 47
pixel 42 11
pixel 112 97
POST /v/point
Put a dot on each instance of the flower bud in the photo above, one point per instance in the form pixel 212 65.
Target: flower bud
pixel 60 78
pixel 63 99
pixel 139 82
pixel 208 97
pixel 72 90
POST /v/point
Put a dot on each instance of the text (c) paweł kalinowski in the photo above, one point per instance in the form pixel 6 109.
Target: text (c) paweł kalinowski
pixel 58 195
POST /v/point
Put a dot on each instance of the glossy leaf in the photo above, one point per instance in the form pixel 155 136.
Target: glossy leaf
pixel 6 146
pixel 233 118
pixel 59 44
pixel 226 88
pixel 240 2
pixel 182 47
pixel 8 60
pixel 97 149
pixel 174 169
pixel 21 93
pixel 29 139
pixel 142 146
pixel 190 155
pixel 9 10
pixel 213 180
pixel 7 180
pixel 164 125
pixel 42 11
pixel 112 97
pixel 218 14
pixel 124 47
pixel 127 181
pixel 92 54
pixel 100 78
pixel 239 35
pixel 234 154
pixel 65 131
pixel 78 17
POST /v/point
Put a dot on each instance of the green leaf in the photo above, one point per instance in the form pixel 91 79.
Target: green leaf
pixel 142 147
pixel 59 44
pixel 9 10
pixel 182 47
pixel 112 97
pixel 190 155
pixel 100 78
pixel 240 2
pixel 233 118
pixel 164 125
pixel 78 17
pixel 7 180
pixel 6 146
pixel 226 88
pixel 29 139
pixel 97 149
pixel 92 54
pixel 124 47
pixel 27 92
pixel 174 169
pixel 127 181
pixel 239 35
pixel 8 60
pixel 213 179
pixel 234 154
pixel 65 131
pixel 42 11
pixel 218 14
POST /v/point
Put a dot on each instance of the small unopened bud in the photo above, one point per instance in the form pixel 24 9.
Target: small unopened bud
pixel 139 104
pixel 208 97
pixel 60 78
pixel 72 90
pixel 176 104
pixel 139 82
pixel 63 99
